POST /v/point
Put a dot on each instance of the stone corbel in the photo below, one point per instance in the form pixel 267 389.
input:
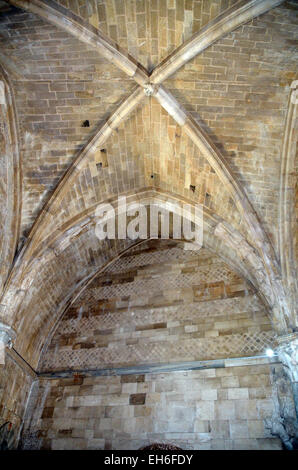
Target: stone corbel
pixel 7 336
pixel 288 353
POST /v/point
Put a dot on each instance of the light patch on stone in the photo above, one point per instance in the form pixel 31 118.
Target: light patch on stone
pixel 2 353
pixel 2 93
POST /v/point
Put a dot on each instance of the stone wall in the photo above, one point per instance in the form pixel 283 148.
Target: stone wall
pixel 15 386
pixel 160 304
pixel 221 408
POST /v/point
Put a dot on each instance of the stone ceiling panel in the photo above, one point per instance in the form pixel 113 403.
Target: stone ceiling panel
pixel 149 30
pixel 59 83
pixel 147 150
pixel 238 90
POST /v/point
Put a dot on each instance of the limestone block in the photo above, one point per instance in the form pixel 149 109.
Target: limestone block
pixel 238 429
pixel 110 400
pixel 69 444
pixel 137 399
pixel 143 411
pixel 119 411
pixel 246 409
pixel 230 381
pixel 244 444
pixel 237 393
pixel 105 424
pixel 201 426
pixel 210 394
pixel 129 387
pixel 205 410
pixel 256 429
pixel 225 410
pixel 220 429
pixel 95 444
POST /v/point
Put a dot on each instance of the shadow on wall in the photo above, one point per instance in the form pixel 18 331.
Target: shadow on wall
pixel 7 436
pixel 160 446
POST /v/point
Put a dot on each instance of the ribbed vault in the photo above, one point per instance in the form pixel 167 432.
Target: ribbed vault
pixel 143 141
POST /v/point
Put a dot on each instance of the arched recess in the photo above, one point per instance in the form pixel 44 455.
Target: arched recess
pixel 52 281
pixel 10 178
pixel 129 312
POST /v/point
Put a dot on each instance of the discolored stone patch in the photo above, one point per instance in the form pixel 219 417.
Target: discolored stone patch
pixel 137 399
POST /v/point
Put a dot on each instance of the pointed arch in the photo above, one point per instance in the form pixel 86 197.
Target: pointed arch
pixel 11 177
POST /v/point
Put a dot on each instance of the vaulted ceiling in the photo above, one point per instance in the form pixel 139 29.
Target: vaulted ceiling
pixel 149 99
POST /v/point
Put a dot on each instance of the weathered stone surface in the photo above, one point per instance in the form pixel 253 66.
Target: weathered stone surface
pixel 174 414
pixel 80 124
pixel 137 399
pixel 142 311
